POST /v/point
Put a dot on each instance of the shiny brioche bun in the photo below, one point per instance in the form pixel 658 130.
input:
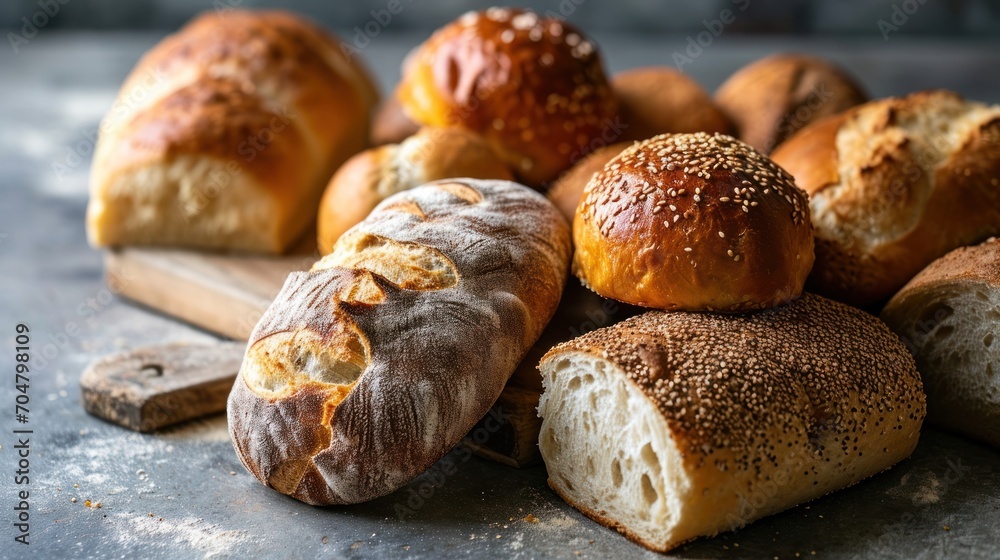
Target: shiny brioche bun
pixel 568 189
pixel 695 222
pixel 534 86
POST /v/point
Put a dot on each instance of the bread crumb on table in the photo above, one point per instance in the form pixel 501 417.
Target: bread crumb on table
pixel 531 518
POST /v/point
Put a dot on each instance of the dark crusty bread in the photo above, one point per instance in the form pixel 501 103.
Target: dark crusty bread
pixel 660 100
pixel 894 184
pixel 776 96
pixel 533 85
pixel 377 173
pixel 225 134
pixel 949 318
pixel 670 426
pixel 693 222
pixel 370 367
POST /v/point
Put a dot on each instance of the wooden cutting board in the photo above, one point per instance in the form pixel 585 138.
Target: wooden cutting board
pixel 227 294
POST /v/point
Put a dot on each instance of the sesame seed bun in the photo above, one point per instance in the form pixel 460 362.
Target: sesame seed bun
pixel 568 190
pixel 534 86
pixel 694 222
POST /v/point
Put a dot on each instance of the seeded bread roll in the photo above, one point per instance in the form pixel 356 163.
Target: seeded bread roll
pixel 694 222
pixel 893 185
pixel 671 426
pixel 370 367
pixel 375 174
pixel 224 135
pixel 776 96
pixel 660 100
pixel 949 318
pixel 568 190
pixel 534 86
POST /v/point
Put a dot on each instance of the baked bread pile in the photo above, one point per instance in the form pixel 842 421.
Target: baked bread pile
pixel 683 369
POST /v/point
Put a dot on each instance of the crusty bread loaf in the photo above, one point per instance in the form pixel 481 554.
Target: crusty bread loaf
pixel 660 100
pixel 515 442
pixel 693 222
pixel 893 185
pixel 568 189
pixel 949 318
pixel 775 96
pixel 671 426
pixel 375 174
pixel 224 135
pixel 370 367
pixel 533 85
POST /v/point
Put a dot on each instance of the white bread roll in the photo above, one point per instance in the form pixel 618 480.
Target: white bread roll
pixel 371 366
pixel 949 318
pixel 224 135
pixel 671 426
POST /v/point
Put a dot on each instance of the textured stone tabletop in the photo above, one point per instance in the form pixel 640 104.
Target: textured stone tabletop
pixel 183 494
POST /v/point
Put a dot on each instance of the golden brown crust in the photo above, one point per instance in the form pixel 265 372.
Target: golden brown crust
pixel 369 368
pixel 816 393
pixel 375 174
pixel 693 222
pixel 534 86
pixel 894 184
pixel 774 97
pixel 214 99
pixel 568 189
pixel 659 100
pixel 391 125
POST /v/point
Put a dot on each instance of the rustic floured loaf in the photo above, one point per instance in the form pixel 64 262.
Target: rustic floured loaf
pixel 224 135
pixel 671 426
pixel 949 318
pixel 894 184
pixel 370 367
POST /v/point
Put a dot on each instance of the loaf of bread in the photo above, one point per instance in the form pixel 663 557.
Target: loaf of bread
pixel 671 426
pixel 375 174
pixel 949 318
pixel 225 134
pixel 515 441
pixel 893 185
pixel 370 367
pixel 568 189
pixel 774 97
pixel 533 85
pixel 695 222
pixel 660 100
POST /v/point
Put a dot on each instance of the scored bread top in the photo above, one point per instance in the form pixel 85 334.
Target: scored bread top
pixel 894 184
pixel 370 367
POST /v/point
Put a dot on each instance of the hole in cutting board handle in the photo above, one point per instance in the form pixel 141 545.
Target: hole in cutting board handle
pixel 151 370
